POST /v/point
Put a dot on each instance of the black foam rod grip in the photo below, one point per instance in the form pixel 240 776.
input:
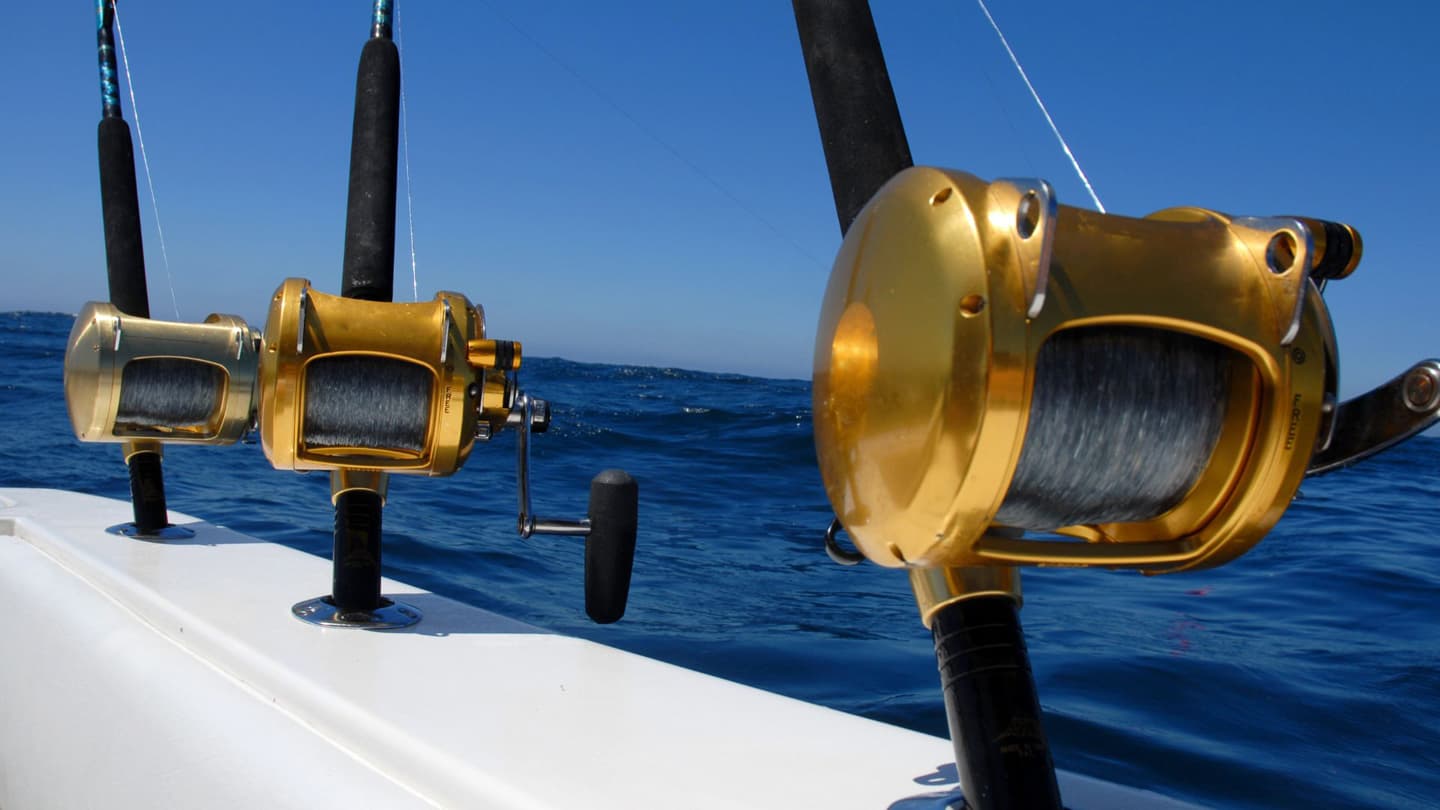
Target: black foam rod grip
pixel 358 522
pixel 610 546
pixel 147 493
pixel 369 264
pixel 855 107
pixel 992 707
pixel 120 207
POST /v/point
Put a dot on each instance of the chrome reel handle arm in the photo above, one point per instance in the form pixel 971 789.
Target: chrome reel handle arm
pixel 527 415
pixel 1382 418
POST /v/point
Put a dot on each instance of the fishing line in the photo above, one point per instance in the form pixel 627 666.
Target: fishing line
pixel 149 181
pixel 367 401
pixel 1043 111
pixel 405 143
pixel 1122 422
pixel 1009 121
pixel 662 143
pixel 164 393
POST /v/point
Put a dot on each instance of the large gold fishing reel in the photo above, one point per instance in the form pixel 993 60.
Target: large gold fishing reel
pixel 1132 393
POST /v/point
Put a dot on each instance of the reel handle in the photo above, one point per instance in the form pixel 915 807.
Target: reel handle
pixel 610 545
pixel 609 528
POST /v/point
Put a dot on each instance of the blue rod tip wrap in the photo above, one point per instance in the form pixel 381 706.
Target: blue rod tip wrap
pixel 105 38
pixel 380 25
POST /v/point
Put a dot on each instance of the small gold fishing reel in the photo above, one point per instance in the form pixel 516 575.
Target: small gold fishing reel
pixel 404 388
pixel 1133 393
pixel 130 378
pixel 334 383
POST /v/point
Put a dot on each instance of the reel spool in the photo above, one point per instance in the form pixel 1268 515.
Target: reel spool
pixel 1148 393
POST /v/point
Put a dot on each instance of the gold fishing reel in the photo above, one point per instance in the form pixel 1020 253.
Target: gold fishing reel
pixel 401 388
pixel 334 383
pixel 130 378
pixel 1002 381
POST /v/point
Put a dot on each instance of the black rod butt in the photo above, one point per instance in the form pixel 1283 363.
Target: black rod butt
pixel 610 546
pixel 356 584
pixel 990 701
pixel 147 493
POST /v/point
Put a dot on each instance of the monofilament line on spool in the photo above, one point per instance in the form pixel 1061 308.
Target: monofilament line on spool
pixel 164 393
pixel 366 401
pixel 1122 422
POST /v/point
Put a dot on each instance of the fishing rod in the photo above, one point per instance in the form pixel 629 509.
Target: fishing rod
pixel 1003 381
pixel 990 700
pixel 354 384
pixel 125 268
pixel 368 273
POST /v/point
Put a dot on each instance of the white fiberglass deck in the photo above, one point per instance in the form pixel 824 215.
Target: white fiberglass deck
pixel 138 674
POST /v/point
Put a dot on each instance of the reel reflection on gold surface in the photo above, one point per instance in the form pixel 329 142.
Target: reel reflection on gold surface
pixel 1150 390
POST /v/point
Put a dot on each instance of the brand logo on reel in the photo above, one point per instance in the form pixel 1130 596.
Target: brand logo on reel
pixel 1294 422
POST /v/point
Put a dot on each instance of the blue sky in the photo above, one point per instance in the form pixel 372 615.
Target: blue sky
pixel 642 182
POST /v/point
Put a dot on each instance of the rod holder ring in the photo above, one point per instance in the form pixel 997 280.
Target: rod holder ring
pixel 160 535
pixel 391 615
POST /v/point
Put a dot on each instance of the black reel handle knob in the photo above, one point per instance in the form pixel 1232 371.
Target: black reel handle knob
pixel 610 545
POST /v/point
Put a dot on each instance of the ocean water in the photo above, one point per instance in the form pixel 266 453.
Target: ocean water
pixel 1306 674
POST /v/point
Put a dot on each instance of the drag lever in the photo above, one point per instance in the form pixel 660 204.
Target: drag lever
pixel 1381 418
pixel 609 528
